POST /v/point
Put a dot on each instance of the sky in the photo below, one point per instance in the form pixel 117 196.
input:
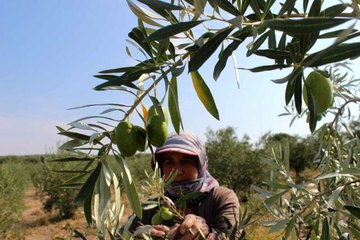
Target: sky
pixel 50 51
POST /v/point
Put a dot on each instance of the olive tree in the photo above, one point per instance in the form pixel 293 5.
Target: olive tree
pixel 303 151
pixel 176 38
pixel 233 162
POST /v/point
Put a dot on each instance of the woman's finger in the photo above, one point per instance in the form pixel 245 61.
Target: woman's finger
pixel 174 232
pixel 162 228
pixel 188 222
pixel 196 226
pixel 156 233
pixel 158 230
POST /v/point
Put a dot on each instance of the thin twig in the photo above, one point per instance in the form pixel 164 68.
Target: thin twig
pixel 341 109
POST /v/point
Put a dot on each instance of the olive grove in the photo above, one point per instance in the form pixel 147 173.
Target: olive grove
pixel 176 38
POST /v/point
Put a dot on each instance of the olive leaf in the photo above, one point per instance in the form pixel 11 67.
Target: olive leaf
pixel 129 185
pixel 138 36
pixel 325 233
pixel 287 7
pixel 239 36
pixel 333 54
pixel 335 10
pixel 205 51
pixel 226 6
pixel 303 26
pixel 88 188
pixel 354 210
pixel 143 14
pixel 172 30
pixel 204 94
pixel 173 104
pixel 156 4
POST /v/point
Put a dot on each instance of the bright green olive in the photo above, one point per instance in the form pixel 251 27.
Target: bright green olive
pixel 321 88
pixel 153 111
pixel 157 131
pixel 126 138
pixel 156 219
pixel 166 214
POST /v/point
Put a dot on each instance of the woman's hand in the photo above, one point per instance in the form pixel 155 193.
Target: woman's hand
pixel 191 228
pixel 155 231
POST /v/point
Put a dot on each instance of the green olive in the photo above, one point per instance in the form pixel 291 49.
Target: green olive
pixel 156 219
pixel 321 88
pixel 126 138
pixel 157 131
pixel 141 138
pixel 166 214
pixel 154 111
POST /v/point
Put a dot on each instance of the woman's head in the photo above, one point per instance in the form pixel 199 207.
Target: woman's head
pixel 184 152
pixel 184 165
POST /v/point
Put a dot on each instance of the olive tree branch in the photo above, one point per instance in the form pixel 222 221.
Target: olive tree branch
pixel 153 85
pixel 341 109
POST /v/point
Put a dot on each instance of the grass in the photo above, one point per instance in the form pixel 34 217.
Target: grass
pixel 255 230
pixel 15 176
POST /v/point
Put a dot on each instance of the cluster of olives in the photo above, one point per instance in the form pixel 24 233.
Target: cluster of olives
pixel 131 138
pixel 163 214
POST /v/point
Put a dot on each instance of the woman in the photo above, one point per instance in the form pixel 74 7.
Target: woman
pixel 185 154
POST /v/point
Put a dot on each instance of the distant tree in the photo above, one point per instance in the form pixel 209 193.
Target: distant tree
pixel 233 162
pixel 47 181
pixel 302 150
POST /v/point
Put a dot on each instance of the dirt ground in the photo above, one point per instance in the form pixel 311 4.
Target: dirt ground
pixel 39 225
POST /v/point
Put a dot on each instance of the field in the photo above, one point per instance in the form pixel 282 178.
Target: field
pixel 40 225
pixel 24 217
